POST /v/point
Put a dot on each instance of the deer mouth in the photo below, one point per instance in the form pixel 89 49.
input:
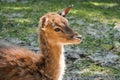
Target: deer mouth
pixel 78 37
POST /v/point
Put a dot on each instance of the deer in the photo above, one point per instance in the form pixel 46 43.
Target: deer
pixel 19 63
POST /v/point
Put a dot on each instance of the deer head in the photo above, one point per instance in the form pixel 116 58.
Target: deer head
pixel 56 28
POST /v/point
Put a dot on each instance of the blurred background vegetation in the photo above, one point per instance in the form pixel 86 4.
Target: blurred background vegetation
pixel 97 20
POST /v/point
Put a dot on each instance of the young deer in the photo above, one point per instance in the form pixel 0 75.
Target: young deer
pixel 17 63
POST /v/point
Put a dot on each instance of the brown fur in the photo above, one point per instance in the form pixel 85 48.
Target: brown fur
pixel 18 63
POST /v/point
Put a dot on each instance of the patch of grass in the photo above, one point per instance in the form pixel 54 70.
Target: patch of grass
pixel 87 68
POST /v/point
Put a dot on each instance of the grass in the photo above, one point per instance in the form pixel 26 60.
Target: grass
pixel 94 19
pixel 87 68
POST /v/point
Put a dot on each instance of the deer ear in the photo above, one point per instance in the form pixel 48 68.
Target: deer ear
pixel 65 11
pixel 43 21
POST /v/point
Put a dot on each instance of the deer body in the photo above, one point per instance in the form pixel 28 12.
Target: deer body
pixel 17 63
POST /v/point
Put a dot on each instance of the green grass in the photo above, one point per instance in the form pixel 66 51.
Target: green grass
pixel 18 19
pixel 88 68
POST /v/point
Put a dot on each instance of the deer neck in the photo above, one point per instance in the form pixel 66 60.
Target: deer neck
pixel 53 55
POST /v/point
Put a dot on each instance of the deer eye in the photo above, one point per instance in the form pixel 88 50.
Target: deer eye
pixel 57 29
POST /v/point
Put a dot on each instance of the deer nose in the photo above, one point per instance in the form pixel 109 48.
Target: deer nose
pixel 79 36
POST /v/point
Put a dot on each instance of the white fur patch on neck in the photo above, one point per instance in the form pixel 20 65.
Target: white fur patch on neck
pixel 62 64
